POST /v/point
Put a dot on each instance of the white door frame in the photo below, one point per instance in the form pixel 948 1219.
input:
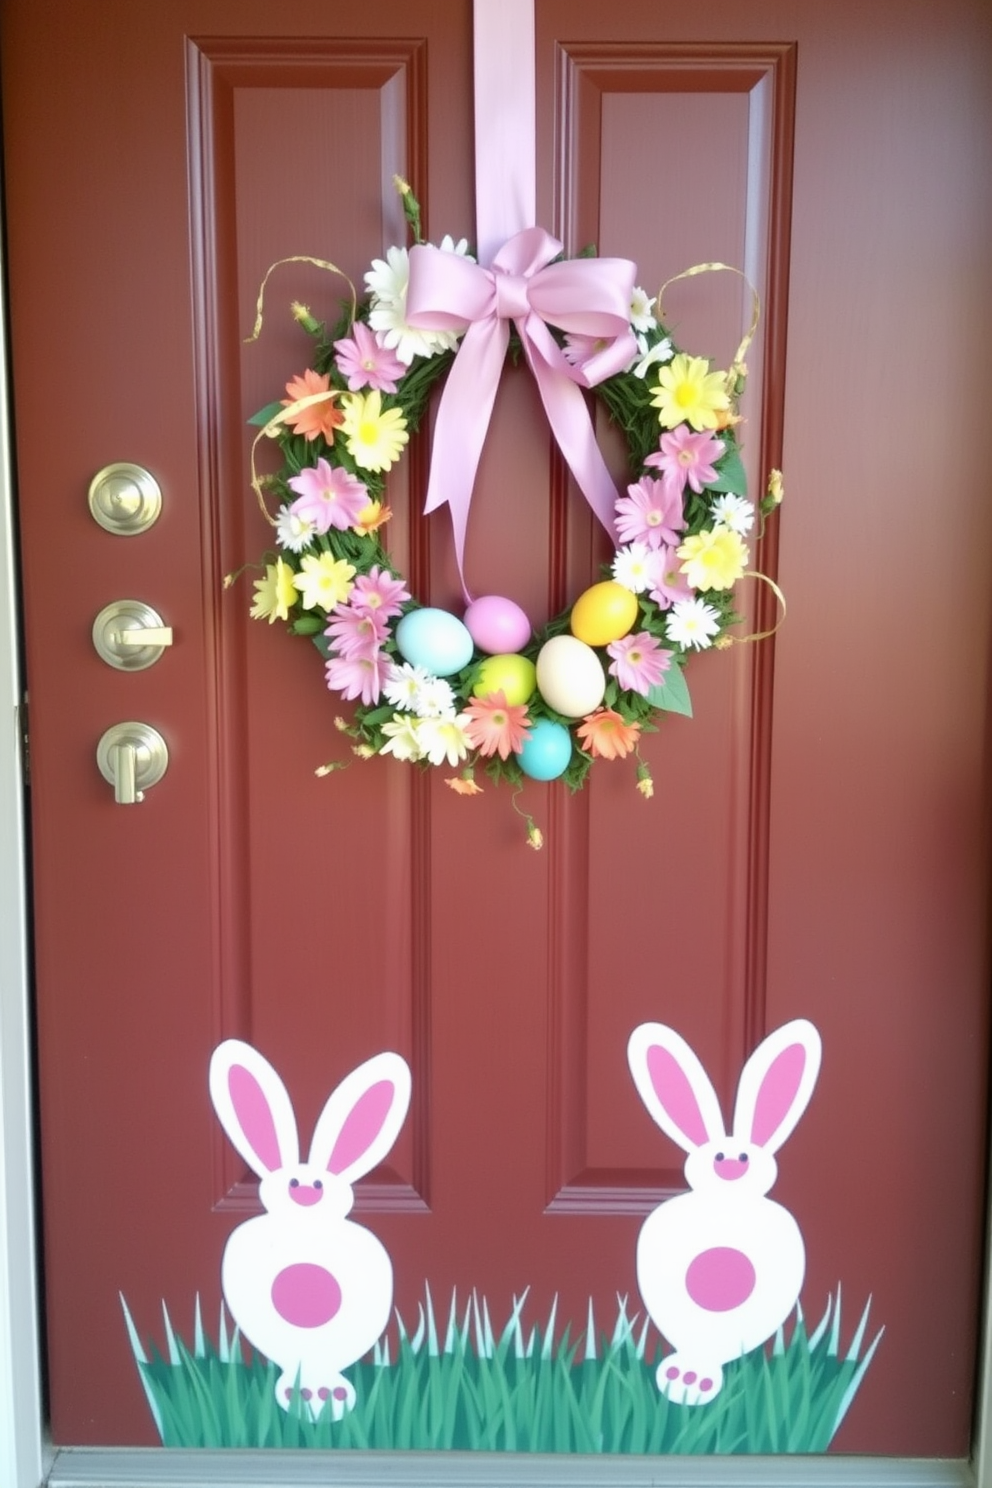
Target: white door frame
pixel 26 1460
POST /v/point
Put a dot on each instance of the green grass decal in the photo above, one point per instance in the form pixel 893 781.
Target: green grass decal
pixel 460 1387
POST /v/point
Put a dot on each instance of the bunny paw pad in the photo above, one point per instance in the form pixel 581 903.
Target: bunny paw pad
pixel 685 1382
pixel 337 1392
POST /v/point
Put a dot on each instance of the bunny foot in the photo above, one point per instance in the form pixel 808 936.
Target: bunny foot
pixel 685 1382
pixel 339 1392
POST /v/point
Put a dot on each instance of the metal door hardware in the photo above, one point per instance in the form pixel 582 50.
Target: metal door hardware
pixel 132 757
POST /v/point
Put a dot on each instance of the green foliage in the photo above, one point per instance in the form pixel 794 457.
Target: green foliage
pixel 461 1388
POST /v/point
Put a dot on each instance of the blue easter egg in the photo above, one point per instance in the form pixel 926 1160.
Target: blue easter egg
pixel 545 755
pixel 434 640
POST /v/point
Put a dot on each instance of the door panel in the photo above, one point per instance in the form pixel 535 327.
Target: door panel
pixel 817 844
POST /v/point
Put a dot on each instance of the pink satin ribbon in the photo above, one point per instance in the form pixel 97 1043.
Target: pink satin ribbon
pixel 584 297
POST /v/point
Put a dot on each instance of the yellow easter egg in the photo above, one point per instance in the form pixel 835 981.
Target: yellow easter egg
pixel 514 676
pixel 603 613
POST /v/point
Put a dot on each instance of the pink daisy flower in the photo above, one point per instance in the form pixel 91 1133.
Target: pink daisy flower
pixel 492 725
pixel 357 676
pixel 639 661
pixel 651 512
pixel 365 362
pixel 669 584
pixel 684 457
pixel 356 633
pixel 328 496
pixel 378 592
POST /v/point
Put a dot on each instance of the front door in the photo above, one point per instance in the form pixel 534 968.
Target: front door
pixel 816 846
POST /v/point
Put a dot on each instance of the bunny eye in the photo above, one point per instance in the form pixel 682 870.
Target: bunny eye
pixel 317 1183
pixel 294 1182
pixel 743 1157
pixel 719 1157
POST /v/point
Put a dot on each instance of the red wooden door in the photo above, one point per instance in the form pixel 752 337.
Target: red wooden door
pixel 817 842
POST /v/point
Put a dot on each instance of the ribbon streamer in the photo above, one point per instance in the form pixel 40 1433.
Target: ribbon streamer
pixel 318 263
pixel 738 366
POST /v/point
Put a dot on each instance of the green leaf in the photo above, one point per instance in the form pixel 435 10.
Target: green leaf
pixel 672 694
pixel 730 473
pixel 308 624
pixel 265 415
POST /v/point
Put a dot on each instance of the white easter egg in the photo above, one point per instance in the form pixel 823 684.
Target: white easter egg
pixel 570 676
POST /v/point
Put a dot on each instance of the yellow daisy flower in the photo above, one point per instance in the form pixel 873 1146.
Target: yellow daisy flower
pixel 374 436
pixel 324 581
pixel 275 595
pixel 688 393
pixel 714 559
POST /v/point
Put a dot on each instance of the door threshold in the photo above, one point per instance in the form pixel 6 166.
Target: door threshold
pixel 91 1467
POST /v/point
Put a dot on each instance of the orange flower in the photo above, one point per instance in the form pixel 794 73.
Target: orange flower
pixel 320 418
pixel 371 518
pixel 605 734
pixel 464 785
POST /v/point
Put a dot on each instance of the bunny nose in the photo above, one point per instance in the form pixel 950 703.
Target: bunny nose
pixel 305 1193
pixel 729 1167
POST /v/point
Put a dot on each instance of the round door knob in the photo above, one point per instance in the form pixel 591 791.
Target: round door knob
pixel 132 757
pixel 125 499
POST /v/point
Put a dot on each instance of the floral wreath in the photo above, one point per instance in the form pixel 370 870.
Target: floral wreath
pixel 486 690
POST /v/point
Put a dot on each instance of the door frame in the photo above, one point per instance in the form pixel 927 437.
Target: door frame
pixel 27 1459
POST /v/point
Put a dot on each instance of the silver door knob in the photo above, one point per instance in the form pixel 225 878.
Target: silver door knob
pixel 132 757
pixel 125 498
pixel 130 635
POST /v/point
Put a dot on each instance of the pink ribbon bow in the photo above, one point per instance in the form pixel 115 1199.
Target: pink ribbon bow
pixel 584 297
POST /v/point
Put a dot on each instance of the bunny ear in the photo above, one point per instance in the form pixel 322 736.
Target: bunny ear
pixel 363 1117
pixel 674 1086
pixel 253 1107
pixel 776 1084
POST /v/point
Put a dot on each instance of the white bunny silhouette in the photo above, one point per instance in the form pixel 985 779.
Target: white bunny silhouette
pixel 721 1267
pixel 308 1288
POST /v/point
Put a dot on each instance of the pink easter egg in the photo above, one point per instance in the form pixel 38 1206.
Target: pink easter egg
pixel 497 625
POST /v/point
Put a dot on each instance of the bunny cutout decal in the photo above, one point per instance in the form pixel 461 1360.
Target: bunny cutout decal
pixel 310 1289
pixel 721 1267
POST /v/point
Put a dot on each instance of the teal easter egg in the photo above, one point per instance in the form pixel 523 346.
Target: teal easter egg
pixel 434 640
pixel 545 755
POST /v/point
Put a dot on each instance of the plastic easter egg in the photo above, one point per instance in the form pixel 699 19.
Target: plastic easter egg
pixel 514 676
pixel 497 625
pixel 570 676
pixel 603 613
pixel 434 640
pixel 545 755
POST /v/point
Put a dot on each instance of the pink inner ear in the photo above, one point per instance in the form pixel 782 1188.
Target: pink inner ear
pixel 778 1091
pixel 362 1125
pixel 252 1110
pixel 671 1086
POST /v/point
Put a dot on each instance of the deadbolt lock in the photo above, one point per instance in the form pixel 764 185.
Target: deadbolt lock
pixel 125 499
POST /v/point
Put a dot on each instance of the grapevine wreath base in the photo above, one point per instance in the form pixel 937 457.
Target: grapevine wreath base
pixel 484 689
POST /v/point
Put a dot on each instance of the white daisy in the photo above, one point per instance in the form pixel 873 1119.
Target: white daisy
pixel 692 622
pixel 443 739
pixel 434 699
pixel 404 741
pixel 641 312
pixel 403 685
pixel 448 245
pixel 387 282
pixel 734 512
pixel 293 532
pixel 635 567
pixel 650 356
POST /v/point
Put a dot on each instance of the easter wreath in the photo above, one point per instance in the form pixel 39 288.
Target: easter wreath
pixel 488 690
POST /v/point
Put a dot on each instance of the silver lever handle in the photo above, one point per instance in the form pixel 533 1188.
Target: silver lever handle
pixel 129 635
pixel 132 757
